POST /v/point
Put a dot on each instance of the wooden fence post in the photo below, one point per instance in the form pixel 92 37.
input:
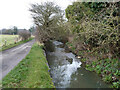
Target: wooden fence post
pixel 5 42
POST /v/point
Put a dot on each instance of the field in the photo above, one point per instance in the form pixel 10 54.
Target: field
pixel 9 39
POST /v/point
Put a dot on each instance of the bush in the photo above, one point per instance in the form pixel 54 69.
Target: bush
pixel 25 35
pixel 101 30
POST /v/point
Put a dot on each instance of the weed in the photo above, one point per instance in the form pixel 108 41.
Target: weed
pixel 116 84
pixel 107 78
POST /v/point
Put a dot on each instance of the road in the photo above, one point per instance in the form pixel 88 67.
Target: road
pixel 11 57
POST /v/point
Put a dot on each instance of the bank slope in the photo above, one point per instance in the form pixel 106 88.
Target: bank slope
pixel 31 72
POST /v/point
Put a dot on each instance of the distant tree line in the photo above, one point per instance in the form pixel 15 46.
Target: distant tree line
pixel 16 31
pixel 11 31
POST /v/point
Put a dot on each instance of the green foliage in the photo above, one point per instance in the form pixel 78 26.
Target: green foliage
pixel 15 29
pixel 107 68
pixel 96 6
pixel 116 84
pixel 31 72
pixel 76 11
pixel 107 78
pixel 117 72
pixel 96 26
pixel 32 30
pixel 83 60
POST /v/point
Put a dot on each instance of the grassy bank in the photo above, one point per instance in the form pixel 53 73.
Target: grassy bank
pixel 31 72
pixel 14 44
pixel 106 68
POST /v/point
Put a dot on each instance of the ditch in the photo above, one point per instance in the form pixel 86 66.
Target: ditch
pixel 67 71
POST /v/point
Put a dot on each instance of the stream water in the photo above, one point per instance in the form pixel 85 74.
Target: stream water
pixel 67 72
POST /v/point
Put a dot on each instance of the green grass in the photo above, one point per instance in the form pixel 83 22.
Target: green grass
pixel 13 45
pixel 31 72
pixel 10 39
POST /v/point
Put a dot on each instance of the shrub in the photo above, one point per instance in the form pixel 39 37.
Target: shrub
pixel 25 35
pixel 95 30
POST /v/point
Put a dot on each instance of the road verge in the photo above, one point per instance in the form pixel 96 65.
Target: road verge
pixel 31 72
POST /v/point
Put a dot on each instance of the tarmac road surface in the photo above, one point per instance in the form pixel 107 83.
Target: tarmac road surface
pixel 11 57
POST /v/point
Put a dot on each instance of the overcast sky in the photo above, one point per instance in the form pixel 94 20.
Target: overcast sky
pixel 16 12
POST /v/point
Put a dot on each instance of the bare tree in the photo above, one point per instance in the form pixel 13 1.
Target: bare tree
pixel 25 35
pixel 47 16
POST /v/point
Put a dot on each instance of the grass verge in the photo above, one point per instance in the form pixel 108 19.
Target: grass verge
pixel 31 72
pixel 13 45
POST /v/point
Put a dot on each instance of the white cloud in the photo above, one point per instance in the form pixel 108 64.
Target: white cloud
pixel 16 13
